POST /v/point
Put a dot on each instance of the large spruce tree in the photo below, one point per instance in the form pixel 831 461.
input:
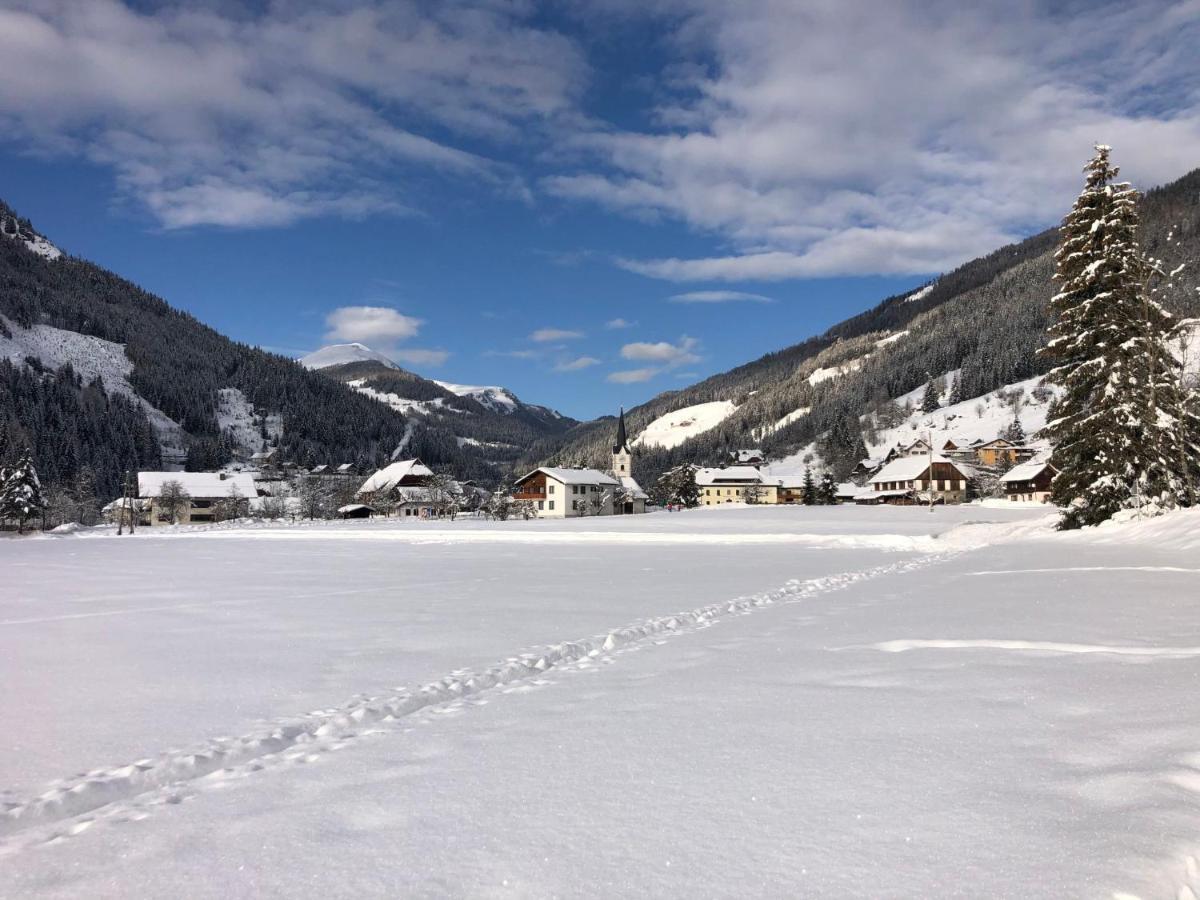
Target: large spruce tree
pixel 21 497
pixel 1117 429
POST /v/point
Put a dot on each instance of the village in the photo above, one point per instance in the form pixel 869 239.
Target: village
pixel 923 472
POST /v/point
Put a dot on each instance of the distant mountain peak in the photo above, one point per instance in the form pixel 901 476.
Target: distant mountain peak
pixel 341 354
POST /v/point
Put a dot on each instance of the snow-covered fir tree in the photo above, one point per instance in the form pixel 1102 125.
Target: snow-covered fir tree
pixel 808 495
pixel 21 497
pixel 930 400
pixel 827 489
pixel 1120 432
pixel 1014 431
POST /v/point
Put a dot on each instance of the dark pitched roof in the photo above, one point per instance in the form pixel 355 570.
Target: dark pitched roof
pixel 621 445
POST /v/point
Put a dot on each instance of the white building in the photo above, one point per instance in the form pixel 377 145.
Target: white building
pixel 204 490
pixel 727 485
pixel 568 493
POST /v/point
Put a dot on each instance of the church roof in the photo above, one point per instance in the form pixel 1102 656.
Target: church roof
pixel 621 445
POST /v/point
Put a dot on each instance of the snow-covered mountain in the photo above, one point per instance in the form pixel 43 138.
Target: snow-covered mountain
pixel 487 424
pixel 341 354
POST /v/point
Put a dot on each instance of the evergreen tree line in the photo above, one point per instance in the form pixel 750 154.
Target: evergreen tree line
pixel 71 427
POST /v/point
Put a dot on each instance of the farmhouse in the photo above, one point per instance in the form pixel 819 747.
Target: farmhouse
pixel 1000 450
pixel 405 473
pixel 909 480
pixel 1030 482
pixel 210 496
pixel 568 493
pixel 728 485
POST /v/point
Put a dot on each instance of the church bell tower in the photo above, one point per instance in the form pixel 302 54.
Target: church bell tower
pixel 622 465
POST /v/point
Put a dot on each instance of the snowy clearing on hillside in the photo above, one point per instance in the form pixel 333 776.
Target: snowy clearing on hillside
pixel 91 357
pixel 495 398
pixel 794 416
pixel 836 371
pixel 728 702
pixel 676 427
pixel 403 404
pixel 980 418
pixel 236 415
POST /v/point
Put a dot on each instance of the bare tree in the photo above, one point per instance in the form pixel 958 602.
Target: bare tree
pixel 314 497
pixel 172 501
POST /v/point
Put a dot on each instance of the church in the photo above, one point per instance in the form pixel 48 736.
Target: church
pixel 622 466
pixel 562 493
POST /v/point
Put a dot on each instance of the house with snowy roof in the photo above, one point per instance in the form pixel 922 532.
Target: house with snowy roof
pixel 405 473
pixel 909 480
pixel 207 494
pixel 729 485
pixel 561 493
pixel 407 489
pixel 1029 482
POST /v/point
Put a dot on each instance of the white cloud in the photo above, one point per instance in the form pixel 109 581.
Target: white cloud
pixel 948 131
pixel 618 323
pixel 577 364
pixel 718 297
pixel 379 324
pixel 663 352
pixel 417 356
pixel 546 335
pixel 211 114
pixel 632 376
pixel 515 354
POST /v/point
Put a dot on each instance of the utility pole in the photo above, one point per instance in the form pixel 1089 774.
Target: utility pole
pixel 929 440
pixel 122 510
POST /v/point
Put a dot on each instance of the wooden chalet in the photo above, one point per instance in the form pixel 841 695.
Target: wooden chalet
pixel 1029 482
pixel 910 480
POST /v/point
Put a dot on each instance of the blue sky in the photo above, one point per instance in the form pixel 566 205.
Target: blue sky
pixel 589 203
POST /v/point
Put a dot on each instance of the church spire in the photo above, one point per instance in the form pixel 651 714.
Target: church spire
pixel 622 442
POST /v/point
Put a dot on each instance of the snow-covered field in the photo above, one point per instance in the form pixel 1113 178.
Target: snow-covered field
pixel 824 702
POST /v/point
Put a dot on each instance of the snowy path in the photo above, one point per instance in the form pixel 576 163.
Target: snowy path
pixel 788 751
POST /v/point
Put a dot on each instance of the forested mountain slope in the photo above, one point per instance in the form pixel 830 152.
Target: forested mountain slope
pixel 82 345
pixel 987 318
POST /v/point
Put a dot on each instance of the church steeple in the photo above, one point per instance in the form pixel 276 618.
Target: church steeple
pixel 622 455
pixel 622 442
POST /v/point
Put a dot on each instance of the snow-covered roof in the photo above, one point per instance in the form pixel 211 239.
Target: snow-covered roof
pixel 895 492
pixel 574 476
pixel 198 484
pixel 351 507
pixel 729 475
pixel 390 476
pixel 793 480
pixel 906 468
pixel 1026 471
pixel 630 484
pixel 848 489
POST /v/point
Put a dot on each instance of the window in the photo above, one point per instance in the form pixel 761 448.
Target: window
pixel 551 489
pixel 541 504
pixel 552 504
